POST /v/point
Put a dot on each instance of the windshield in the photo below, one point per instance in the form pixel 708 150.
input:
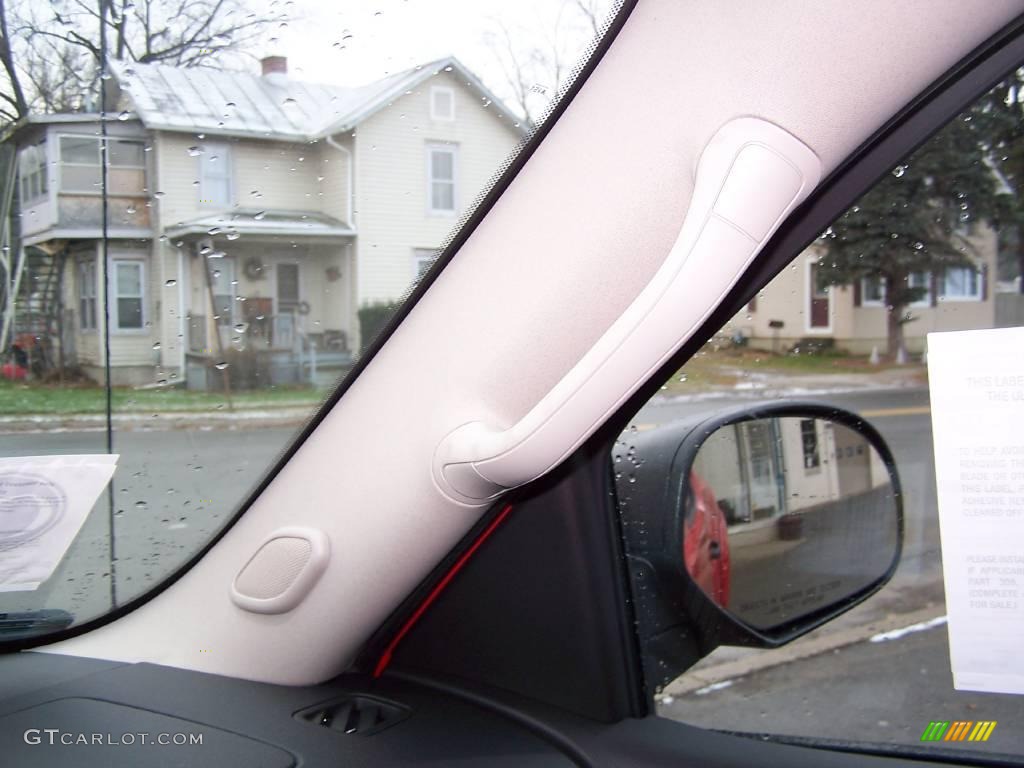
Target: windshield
pixel 209 211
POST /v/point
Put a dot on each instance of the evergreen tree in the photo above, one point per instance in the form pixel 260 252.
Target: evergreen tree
pixel 919 219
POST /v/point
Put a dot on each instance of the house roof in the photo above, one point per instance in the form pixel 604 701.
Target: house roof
pixel 254 224
pixel 22 124
pixel 203 100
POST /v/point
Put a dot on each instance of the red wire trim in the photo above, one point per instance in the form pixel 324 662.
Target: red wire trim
pixel 385 657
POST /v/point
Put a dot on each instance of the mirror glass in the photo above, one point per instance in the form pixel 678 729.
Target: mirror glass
pixel 784 516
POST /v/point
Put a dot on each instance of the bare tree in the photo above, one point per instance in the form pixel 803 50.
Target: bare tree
pixel 51 55
pixel 14 104
pixel 594 11
pixel 537 60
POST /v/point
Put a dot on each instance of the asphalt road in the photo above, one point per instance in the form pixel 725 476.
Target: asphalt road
pixel 171 490
pixel 884 692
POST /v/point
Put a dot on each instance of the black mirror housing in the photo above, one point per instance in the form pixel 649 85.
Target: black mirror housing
pixel 715 567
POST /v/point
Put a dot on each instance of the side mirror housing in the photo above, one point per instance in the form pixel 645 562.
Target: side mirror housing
pixel 753 526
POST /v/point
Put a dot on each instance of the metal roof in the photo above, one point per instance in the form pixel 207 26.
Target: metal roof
pixel 204 100
pixel 254 224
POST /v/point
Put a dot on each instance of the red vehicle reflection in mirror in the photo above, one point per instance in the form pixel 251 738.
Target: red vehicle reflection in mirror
pixel 706 541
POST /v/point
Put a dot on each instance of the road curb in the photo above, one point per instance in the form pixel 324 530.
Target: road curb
pixel 166 420
pixel 692 682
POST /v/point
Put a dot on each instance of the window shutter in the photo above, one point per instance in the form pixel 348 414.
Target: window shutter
pixel 933 289
pixel 983 277
pixel 856 293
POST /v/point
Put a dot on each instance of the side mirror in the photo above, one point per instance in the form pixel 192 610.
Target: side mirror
pixel 753 527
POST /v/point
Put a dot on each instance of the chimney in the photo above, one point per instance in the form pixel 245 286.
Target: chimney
pixel 275 68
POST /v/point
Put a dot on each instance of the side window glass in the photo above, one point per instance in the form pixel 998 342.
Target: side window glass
pixel 934 246
pixel 199 241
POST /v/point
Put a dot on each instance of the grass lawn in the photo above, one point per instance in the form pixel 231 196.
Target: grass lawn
pixel 713 369
pixel 19 399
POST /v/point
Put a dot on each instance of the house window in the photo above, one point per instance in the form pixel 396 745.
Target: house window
pixel 441 178
pixel 422 260
pixel 126 174
pixel 809 440
pixel 961 284
pixel 215 175
pixel 442 103
pixel 128 282
pixel 872 291
pixel 87 294
pixel 32 173
pixel 81 165
pixel 921 280
pixel 759 444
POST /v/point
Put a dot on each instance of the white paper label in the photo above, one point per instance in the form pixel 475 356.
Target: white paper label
pixel 43 502
pixel 976 380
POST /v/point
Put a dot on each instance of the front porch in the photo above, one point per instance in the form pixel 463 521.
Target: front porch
pixel 267 308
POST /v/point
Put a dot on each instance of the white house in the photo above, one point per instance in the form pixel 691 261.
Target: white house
pixel 249 217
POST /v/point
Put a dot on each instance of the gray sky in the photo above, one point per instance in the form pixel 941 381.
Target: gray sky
pixel 386 36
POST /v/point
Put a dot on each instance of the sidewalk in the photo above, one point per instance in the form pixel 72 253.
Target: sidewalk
pixel 772 384
pixel 242 418
pixel 911 601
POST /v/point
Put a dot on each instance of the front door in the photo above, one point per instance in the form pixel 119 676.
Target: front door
pixel 287 288
pixel 286 315
pixel 820 309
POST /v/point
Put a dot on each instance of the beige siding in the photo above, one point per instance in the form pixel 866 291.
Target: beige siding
pixel 38 217
pixel 166 301
pixel 283 176
pixel 334 169
pixel 391 180
pixel 783 299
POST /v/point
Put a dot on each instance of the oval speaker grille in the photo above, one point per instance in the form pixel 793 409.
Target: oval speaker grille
pixel 274 568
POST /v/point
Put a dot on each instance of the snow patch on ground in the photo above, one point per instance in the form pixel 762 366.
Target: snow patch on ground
pixel 896 634
pixel 713 687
